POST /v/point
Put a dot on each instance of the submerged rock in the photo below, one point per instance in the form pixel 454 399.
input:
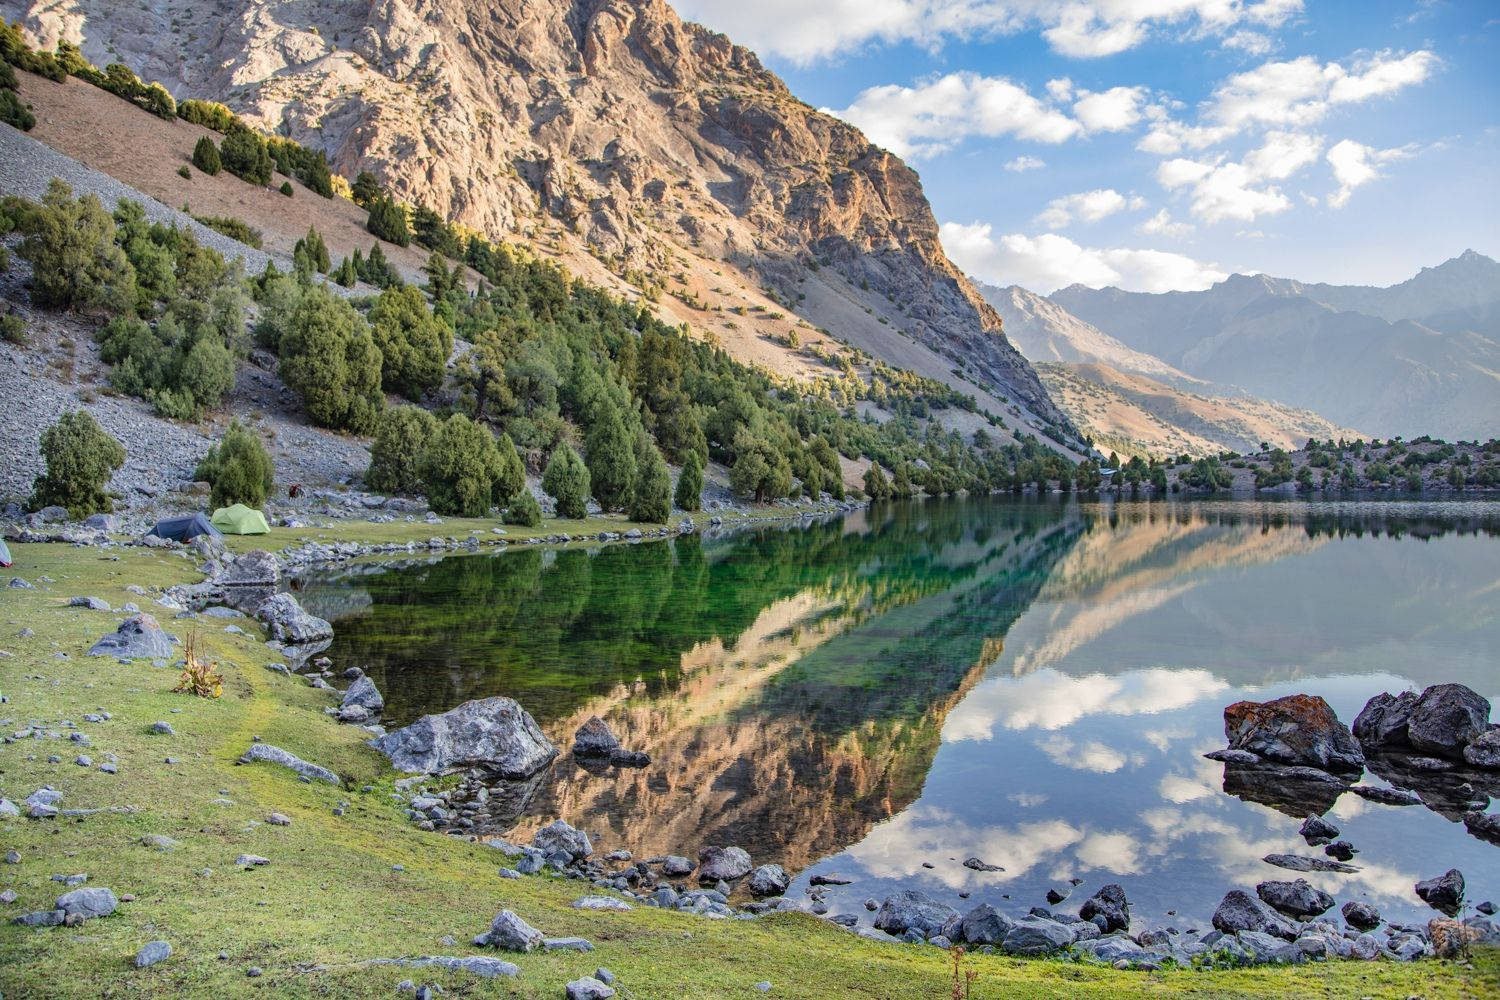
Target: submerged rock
pixel 1317 830
pixel 361 701
pixel 138 637
pixel 1298 863
pixel 496 734
pixel 1299 729
pixel 1485 826
pixel 1484 751
pixel 595 742
pixel 1442 721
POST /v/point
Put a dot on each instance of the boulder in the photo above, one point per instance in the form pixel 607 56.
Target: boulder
pixel 911 910
pixel 496 734
pixel 510 932
pixel 1240 911
pixel 253 569
pixel 1299 729
pixel 1445 719
pixel 275 755
pixel 595 743
pixel 676 866
pixel 1036 936
pixel 1110 904
pixel 1298 863
pixel 138 637
pixel 1484 751
pixel 88 903
pixel 1381 724
pixel 1317 830
pixel 768 880
pixel 559 836
pixel 588 988
pixel 1449 938
pixel 727 863
pixel 362 699
pixel 102 522
pixel 1296 898
pixel 984 925
pixel 1445 893
pixel 288 623
pixel 1360 915
pixel 1485 826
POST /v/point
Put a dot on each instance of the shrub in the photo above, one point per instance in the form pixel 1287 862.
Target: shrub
pixel 71 246
pixel 566 481
pixel 760 471
pixel 346 274
pixel 14 113
pixel 312 170
pixel 156 100
pixel 80 458
pixel 388 221
pixel 651 493
pixel 184 172
pixel 244 154
pixel 314 250
pixel 689 494
pixel 459 466
pixel 286 188
pixel 233 228
pixel 238 468
pixel 877 487
pixel 209 114
pixel 512 477
pixel 404 432
pixel 13 329
pixel 611 457
pixel 328 358
pixel 413 343
pixel 523 510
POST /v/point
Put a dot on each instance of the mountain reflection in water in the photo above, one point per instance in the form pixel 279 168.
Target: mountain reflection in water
pixel 1029 682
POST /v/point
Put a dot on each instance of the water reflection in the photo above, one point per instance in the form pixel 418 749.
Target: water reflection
pixel 1032 683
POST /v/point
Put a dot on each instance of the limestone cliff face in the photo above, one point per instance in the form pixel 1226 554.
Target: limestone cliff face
pixel 655 141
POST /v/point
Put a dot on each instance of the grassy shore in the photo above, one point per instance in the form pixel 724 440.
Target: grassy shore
pixel 332 896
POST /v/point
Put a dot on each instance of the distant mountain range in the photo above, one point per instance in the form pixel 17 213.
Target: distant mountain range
pixel 1276 356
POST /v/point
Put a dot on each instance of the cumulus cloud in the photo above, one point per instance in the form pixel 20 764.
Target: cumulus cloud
pixel 1355 164
pixel 1047 262
pixel 1021 164
pixel 1089 206
pixel 806 32
pixel 1161 224
pixel 1112 110
pixel 1242 190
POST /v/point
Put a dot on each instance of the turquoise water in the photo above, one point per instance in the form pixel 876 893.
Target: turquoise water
pixel 1032 682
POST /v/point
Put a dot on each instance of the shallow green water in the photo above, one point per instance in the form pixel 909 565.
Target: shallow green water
pixel 1031 682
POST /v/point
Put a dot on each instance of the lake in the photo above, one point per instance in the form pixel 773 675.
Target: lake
pixel 1030 682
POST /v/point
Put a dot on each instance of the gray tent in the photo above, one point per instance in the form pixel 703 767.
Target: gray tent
pixel 180 529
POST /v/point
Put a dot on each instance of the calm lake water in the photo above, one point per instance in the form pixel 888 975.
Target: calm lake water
pixel 1029 682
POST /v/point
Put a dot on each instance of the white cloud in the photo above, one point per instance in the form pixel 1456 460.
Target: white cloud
pixel 1293 93
pixel 1355 164
pixel 1161 224
pixel 805 32
pixel 1021 164
pixel 1228 190
pixel 936 115
pixel 1113 110
pixel 1048 262
pixel 1091 756
pixel 1090 206
pixel 1253 43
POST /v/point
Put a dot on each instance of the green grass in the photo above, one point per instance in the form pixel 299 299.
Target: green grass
pixel 330 898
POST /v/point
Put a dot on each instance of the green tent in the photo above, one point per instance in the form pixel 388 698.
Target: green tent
pixel 240 520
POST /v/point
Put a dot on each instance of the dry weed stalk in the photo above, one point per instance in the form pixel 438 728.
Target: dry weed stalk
pixel 199 676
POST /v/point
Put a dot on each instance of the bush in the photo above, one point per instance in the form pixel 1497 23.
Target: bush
pixel 209 114
pixel 512 477
pixel 689 494
pixel 404 432
pixel 184 172
pixel 329 359
pixel 611 457
pixel 313 250
pixel 14 113
pixel 651 493
pixel 244 154
pixel 233 228
pixel 523 510
pixel 71 246
pixel 238 468
pixel 877 487
pixel 365 190
pixel 413 344
pixel 156 100
pixel 566 481
pixel 13 329
pixel 388 221
pixel 459 466
pixel 80 458
pixel 760 471
pixel 286 188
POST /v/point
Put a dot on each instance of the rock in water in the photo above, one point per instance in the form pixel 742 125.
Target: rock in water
pixel 138 637
pixel 1296 898
pixel 1445 719
pixel 984 925
pixel 493 733
pixel 559 836
pixel 1484 751
pixel 1485 826
pixel 1444 893
pixel 594 739
pixel 510 932
pixel 1317 830
pixel 361 701
pixel 1109 903
pixel 288 623
pixel 911 910
pixel 1300 729
pixel 1240 911
pixel 727 863
pixel 1036 936
pixel 253 569
pixel 1361 915
pixel 768 880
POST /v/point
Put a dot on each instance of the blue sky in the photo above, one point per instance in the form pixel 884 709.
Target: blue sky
pixel 1161 144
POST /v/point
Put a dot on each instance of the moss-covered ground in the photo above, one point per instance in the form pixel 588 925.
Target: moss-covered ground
pixel 333 897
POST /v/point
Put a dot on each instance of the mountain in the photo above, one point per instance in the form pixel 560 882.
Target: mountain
pixel 1135 403
pixel 1420 357
pixel 602 129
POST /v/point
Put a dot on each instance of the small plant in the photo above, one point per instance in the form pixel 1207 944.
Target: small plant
pixel 286 188
pixel 184 172
pixel 963 979
pixel 12 329
pixel 200 676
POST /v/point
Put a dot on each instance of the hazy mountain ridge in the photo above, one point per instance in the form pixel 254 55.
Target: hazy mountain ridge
pixel 1420 357
pixel 611 125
